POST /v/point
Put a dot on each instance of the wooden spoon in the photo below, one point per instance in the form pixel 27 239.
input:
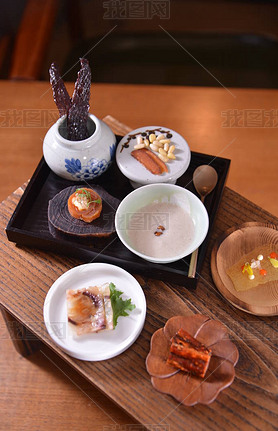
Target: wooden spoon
pixel 205 179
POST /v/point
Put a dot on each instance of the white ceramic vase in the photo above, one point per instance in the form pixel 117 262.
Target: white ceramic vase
pixel 79 160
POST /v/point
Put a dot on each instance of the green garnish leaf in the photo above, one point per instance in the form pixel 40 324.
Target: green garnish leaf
pixel 119 305
pixel 88 196
pixel 84 192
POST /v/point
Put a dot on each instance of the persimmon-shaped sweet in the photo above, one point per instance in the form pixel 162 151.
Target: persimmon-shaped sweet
pixel 150 160
pixel 85 204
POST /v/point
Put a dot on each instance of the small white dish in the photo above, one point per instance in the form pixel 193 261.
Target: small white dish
pixel 105 344
pixel 137 173
pixel 163 193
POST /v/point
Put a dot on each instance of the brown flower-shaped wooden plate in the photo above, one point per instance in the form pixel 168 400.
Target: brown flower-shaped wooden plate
pixel 185 387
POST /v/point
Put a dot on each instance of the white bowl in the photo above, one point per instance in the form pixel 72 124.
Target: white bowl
pixel 137 173
pixel 163 193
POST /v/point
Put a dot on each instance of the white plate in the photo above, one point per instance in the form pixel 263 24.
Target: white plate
pixel 137 173
pixel 106 344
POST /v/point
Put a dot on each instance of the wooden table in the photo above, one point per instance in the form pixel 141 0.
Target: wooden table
pixel 241 126
pixel 250 403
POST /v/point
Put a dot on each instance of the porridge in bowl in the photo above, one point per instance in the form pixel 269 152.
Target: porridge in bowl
pixel 161 223
pixel 160 230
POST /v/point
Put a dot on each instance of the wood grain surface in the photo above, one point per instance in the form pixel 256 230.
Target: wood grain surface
pixel 43 393
pixel 38 395
pixel 249 403
pixel 237 126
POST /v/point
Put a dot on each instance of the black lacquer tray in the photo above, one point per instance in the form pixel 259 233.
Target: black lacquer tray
pixel 29 223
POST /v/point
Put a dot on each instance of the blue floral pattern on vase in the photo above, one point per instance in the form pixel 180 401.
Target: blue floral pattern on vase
pixel 91 170
pixel 112 150
pixel 73 166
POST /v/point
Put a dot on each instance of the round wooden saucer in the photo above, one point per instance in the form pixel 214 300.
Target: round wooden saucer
pixel 238 241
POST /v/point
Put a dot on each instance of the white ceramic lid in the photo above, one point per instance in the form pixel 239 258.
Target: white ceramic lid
pixel 136 172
